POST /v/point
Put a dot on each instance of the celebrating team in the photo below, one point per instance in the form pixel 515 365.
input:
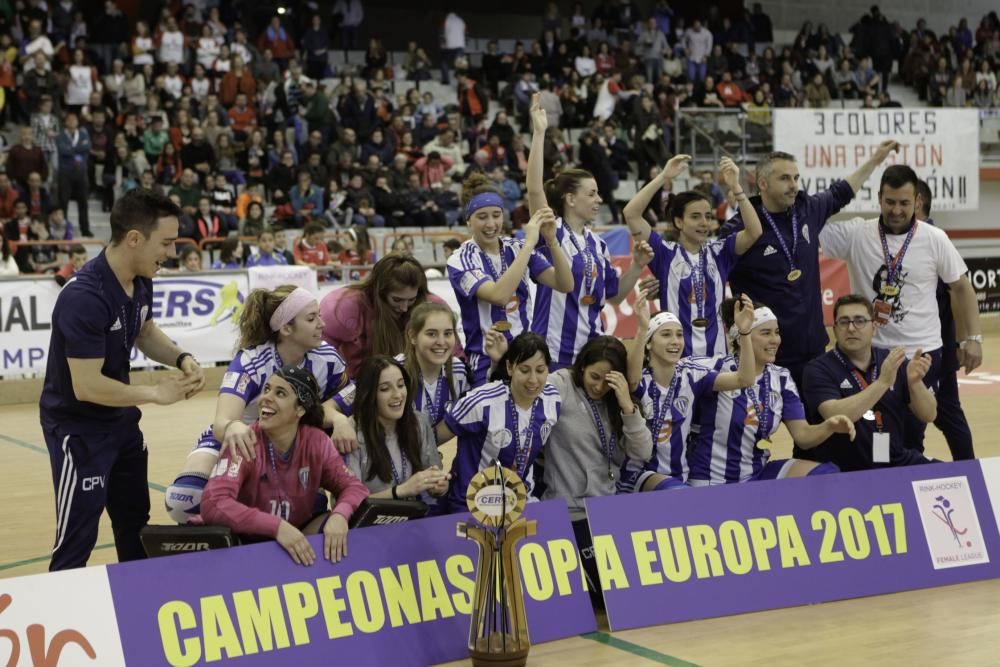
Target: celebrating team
pixel 693 399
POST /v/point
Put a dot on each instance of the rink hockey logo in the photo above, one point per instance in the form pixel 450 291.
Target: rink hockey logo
pixel 950 522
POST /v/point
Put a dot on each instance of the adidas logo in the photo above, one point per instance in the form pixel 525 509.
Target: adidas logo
pixel 805 234
pixel 845 384
pixel 117 325
pixel 769 250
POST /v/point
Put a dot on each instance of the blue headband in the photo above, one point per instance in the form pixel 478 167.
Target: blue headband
pixel 483 200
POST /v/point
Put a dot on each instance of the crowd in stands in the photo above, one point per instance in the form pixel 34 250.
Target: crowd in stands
pixel 246 123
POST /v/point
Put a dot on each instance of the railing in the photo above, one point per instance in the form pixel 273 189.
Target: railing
pixel 698 131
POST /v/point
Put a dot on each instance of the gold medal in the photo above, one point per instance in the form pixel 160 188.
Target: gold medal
pixel 588 300
pixel 890 290
pixel 502 325
pixel 700 322
pixel 794 275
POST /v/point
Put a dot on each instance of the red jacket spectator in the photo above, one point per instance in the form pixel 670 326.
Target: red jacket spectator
pixel 432 171
pixel 234 82
pixel 278 39
pixel 242 121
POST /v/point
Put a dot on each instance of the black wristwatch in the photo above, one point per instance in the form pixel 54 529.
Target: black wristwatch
pixel 181 357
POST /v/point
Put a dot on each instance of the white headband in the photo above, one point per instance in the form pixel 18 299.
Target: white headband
pixel 660 319
pixel 761 315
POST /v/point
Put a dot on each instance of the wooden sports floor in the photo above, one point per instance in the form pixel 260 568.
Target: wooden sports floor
pixel 955 625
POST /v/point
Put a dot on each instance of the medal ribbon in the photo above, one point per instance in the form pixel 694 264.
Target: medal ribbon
pixel 282 496
pixel 434 407
pixel 698 278
pixel 396 478
pixel 861 381
pixel 894 265
pixel 521 453
pixel 763 407
pixel 661 409
pixel 608 444
pixel 781 239
pixel 589 263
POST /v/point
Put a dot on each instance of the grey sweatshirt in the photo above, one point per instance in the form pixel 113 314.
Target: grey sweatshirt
pixel 576 466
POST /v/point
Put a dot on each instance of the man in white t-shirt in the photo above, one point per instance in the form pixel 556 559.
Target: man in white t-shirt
pixel 452 43
pixel 895 260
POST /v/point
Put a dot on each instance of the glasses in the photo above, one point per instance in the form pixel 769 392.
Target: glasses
pixel 858 322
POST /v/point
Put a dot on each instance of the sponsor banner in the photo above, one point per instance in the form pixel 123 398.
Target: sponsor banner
pixel 715 551
pixel 402 597
pixel 44 626
pixel 984 274
pixel 199 313
pixel 270 277
pixel 25 324
pixel 942 146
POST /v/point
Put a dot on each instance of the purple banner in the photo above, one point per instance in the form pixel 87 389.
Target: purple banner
pixel 401 597
pixel 696 553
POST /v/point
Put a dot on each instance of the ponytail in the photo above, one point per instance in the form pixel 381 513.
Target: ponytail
pixel 255 320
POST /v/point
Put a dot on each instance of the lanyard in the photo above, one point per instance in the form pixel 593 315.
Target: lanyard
pixel 863 382
pixel 697 278
pixel 661 409
pixel 894 265
pixel 589 262
pixel 521 454
pixel 490 267
pixel 763 406
pixel 781 239
pixel 608 444
pixel 130 336
pixel 282 496
pixel 434 407
pixel 396 477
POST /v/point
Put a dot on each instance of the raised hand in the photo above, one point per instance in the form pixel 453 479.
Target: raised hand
pixel 730 173
pixel 619 385
pixel 883 150
pixel 887 374
pixel 532 228
pixel 743 314
pixel 642 309
pixel 495 344
pixel 675 166
pixel 539 120
pixel 642 253
pixel 547 225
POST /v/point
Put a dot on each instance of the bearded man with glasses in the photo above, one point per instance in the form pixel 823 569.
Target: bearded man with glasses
pixel 873 386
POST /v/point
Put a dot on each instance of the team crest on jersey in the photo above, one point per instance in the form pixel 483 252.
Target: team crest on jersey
pixel 229 380
pixel 774 397
pixel 220 468
pixel 544 431
pixel 304 477
pixel 681 404
pixel 234 467
pixel 470 279
pixel 502 438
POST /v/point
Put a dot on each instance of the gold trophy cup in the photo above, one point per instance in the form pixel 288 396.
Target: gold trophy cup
pixel 498 631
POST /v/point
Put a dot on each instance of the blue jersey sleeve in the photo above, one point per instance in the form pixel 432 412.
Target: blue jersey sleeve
pixel 238 381
pixel 792 407
pixel 465 416
pixel 823 204
pixel 724 251
pixel 538 264
pixel 610 273
pixel 465 271
pixel 84 319
pixel 663 255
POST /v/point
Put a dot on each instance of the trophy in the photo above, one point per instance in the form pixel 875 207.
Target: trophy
pixel 498 631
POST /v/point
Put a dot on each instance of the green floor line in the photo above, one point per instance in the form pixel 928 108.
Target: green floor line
pixel 41 450
pixel 42 559
pixel 635 649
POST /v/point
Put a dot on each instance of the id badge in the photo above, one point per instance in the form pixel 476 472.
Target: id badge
pixel 880 448
pixel 882 312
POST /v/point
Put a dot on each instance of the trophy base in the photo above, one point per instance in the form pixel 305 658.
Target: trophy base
pixel 489 652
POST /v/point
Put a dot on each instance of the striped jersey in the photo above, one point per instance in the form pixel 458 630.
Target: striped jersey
pixel 431 399
pixel 468 268
pixel 565 320
pixel 668 412
pixel 730 425
pixel 250 369
pixel 489 425
pixel 679 273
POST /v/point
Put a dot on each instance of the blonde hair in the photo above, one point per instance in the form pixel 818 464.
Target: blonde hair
pixel 255 321
pixel 418 320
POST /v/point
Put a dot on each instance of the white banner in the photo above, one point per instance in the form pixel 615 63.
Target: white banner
pixel 199 312
pixel 270 277
pixel 41 618
pixel 941 145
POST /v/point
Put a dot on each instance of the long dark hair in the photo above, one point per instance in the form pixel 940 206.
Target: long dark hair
pixel 678 203
pixel 522 348
pixel 565 182
pixel 389 274
pixel 611 350
pixel 366 417
pixel 306 394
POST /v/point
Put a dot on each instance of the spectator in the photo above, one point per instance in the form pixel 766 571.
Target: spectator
pixel 154 139
pixel 198 154
pixel 473 100
pixel 315 45
pixel 956 95
pixel 188 192
pixel 306 199
pixel 18 228
pixel 41 258
pixel 452 44
pixel 45 128
pixel 223 201
pixel 266 254
pixel 36 197
pixel 276 39
pixel 844 81
pixel 26 158
pixel 357 111
pixel 73 145
pixel 697 45
pixel 550 103
pixel 730 92
pixel 230 254
pixel 238 80
pixel 446 146
pixel 281 243
pixel 351 14
pixel 168 167
pixel 171 41
pixel 8 266
pixel 309 249
pixel 594 158
pixel 207 224
pixel 817 94
pixel 77 258
pixel 59 227
pixel 710 188
pixel 652 44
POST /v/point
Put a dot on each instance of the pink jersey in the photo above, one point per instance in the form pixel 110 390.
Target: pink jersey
pixel 249 498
